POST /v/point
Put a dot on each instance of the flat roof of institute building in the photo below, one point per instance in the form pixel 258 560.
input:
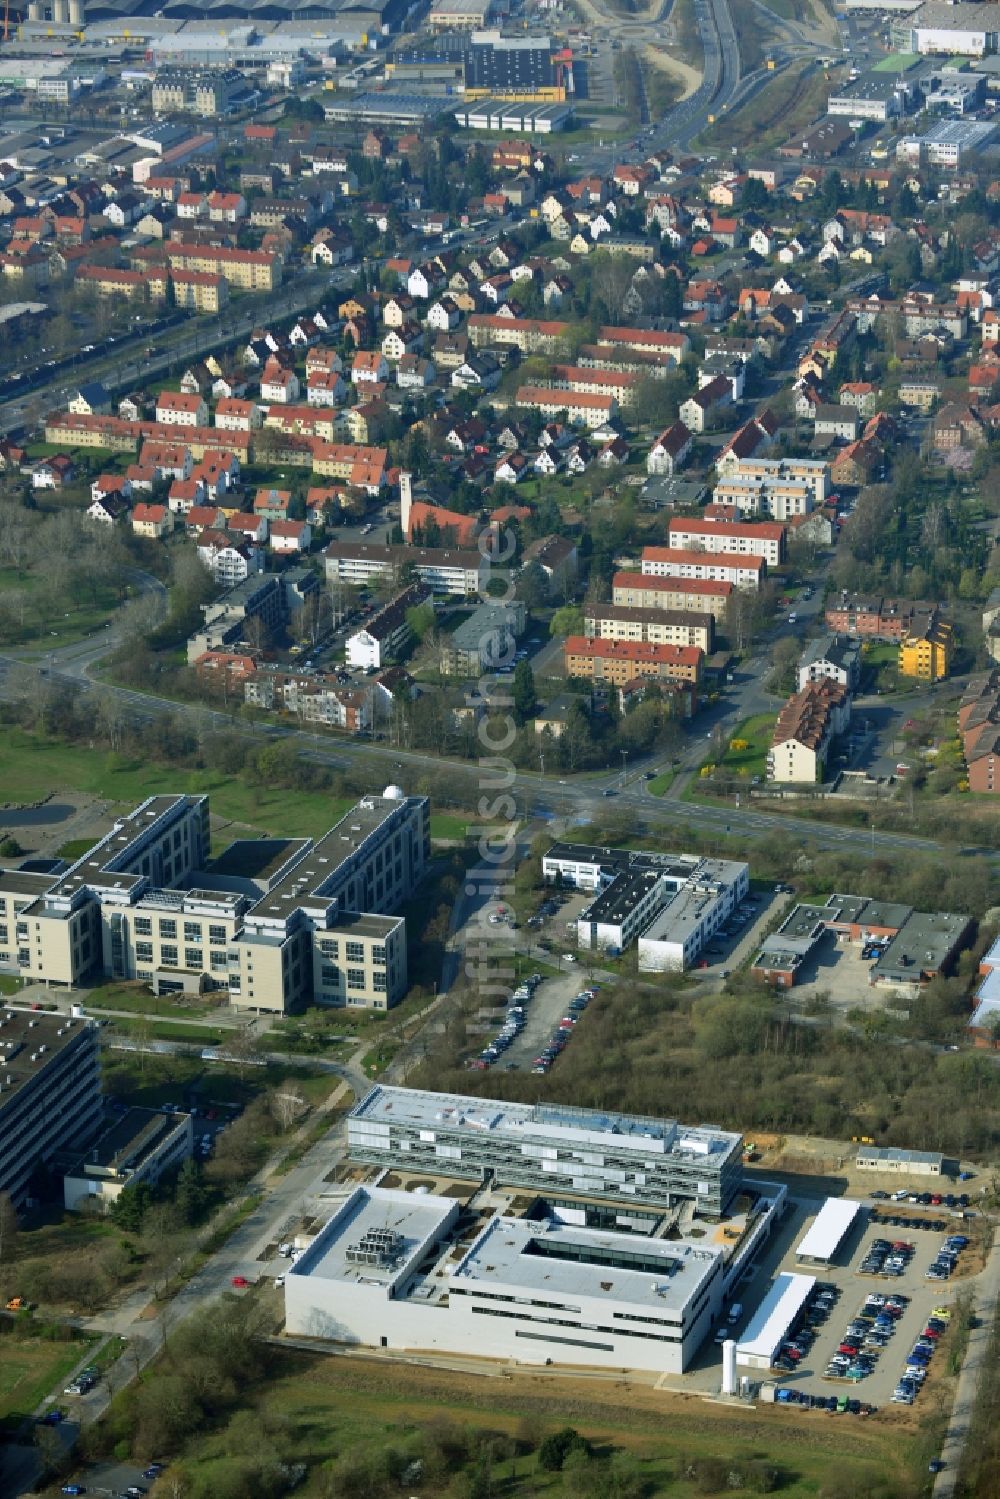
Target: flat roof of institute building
pixel 375 1236
pixel 569 1261
pixel 412 1108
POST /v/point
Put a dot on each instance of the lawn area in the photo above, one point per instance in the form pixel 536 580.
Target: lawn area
pixel 752 761
pixel 30 1369
pixel 660 784
pixel 169 1030
pixel 33 616
pixel 150 1081
pixel 880 666
pixel 137 1000
pixel 788 104
pixel 446 825
pixel 9 984
pixel 75 848
pixel 30 765
pixel 325 1408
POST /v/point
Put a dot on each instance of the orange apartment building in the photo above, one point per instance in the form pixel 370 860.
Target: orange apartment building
pixel 620 662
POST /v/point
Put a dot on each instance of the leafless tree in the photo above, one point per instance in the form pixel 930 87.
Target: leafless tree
pixel 288 1106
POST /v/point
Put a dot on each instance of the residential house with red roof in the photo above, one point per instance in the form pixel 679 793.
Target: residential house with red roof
pixel 152 521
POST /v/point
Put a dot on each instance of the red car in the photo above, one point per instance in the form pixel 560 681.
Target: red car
pixel 240 1282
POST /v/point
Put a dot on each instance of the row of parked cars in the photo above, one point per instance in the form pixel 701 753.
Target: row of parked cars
pixel 919 1357
pixel 866 1336
pixel 561 1036
pixel 817 1309
pixel 549 907
pixel 514 1023
pixel 83 1383
pixel 886 1259
pixel 836 1404
pixel 927 1199
pixel 947 1257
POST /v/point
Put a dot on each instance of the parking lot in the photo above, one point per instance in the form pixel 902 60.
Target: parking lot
pixel 742 934
pixel 836 969
pixel 851 1287
pixel 113 1479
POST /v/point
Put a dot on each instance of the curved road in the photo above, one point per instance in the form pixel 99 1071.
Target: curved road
pixel 539 796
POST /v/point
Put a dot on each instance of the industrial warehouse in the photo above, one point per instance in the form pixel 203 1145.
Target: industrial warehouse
pixel 596 1239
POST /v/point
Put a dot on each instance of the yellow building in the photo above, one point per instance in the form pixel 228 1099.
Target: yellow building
pixel 250 270
pixel 199 290
pixel 927 657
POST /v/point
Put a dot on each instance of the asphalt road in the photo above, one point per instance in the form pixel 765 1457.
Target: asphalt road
pixel 540 797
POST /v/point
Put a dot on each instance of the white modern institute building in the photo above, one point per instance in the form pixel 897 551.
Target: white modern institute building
pixel 386 1272
pixel 548 1148
pixel 573 1241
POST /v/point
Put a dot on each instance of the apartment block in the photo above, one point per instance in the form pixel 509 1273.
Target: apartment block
pixel 812 471
pixel 780 499
pixel 738 538
pixel 442 569
pixel 248 270
pixel 926 653
pixel 623 661
pixel 720 567
pixel 642 591
pixel 587 409
pixel 804 730
pixel 658 626
pixel 50 1088
pixel 387 632
pixel 873 617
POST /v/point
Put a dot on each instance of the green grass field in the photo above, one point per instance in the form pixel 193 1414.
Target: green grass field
pixel 660 784
pixel 753 760
pixel 784 106
pixel 74 848
pixel 169 1030
pixel 137 1000
pixel 31 1369
pixel 31 765
pixel 326 1408
pixel 45 624
pixel 446 825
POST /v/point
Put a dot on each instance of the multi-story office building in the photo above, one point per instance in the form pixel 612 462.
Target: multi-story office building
pixel 138 1146
pixel 369 862
pixel 279 922
pixel 50 1098
pixel 673 903
pixel 548 1148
